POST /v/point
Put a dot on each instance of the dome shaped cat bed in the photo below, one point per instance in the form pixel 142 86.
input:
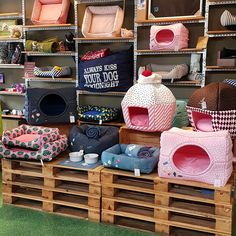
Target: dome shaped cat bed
pixel 169 37
pixel 213 108
pixel 197 156
pixel 148 105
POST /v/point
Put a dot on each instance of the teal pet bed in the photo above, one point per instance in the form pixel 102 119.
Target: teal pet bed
pixel 131 157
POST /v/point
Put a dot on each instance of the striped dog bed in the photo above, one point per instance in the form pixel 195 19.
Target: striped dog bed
pixel 228 20
pixel 54 72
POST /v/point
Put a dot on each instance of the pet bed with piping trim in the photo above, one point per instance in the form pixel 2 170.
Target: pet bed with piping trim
pixel 97 113
pixel 32 142
pixel 52 71
pixel 102 21
pixel 130 157
pixel 50 12
pixel 93 139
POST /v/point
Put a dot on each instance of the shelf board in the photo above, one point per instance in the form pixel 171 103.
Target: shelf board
pixel 49 27
pixel 13 116
pixel 168 20
pixel 182 51
pixel 51 80
pixel 221 33
pixel 9 66
pixel 98 1
pixel 11 93
pixel 11 40
pixel 113 123
pixel 104 40
pixel 184 83
pixel 10 15
pixel 221 68
pixel 118 94
pixel 215 3
pixel 64 54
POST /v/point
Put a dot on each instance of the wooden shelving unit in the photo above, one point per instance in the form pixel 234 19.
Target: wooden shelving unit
pixel 11 93
pixel 221 68
pixel 104 40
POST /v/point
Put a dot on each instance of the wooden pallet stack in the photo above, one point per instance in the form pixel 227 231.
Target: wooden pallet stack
pixel 166 205
pixel 53 188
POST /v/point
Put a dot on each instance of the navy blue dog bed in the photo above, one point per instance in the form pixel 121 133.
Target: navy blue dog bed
pixel 111 73
pixel 92 139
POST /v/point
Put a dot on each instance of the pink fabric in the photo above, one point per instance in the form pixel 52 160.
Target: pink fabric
pixel 169 37
pixel 204 125
pixel 199 156
pixel 139 116
pixel 27 137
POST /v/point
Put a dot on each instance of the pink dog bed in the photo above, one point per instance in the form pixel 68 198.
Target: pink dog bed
pixel 199 156
pixel 32 142
pixel 50 11
pixel 169 37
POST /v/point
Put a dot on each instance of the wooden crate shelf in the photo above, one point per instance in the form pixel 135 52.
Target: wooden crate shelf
pixel 165 205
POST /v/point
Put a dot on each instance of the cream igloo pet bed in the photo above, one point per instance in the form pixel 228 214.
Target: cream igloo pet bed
pixel 102 21
pixel 149 105
pixel 169 37
pixel 50 11
pixel 197 156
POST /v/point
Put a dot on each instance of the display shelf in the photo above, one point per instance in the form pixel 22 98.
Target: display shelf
pixel 97 1
pixel 113 123
pixel 11 66
pixel 12 116
pixel 221 68
pixel 221 33
pixel 49 27
pixel 11 93
pixel 215 3
pixel 10 40
pixel 189 83
pixel 51 80
pixel 182 51
pixel 166 20
pixel 56 54
pixel 119 94
pixel 104 40
pixel 10 15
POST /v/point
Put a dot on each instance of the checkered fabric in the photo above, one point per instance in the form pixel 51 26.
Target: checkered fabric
pixel 221 120
pixel 230 81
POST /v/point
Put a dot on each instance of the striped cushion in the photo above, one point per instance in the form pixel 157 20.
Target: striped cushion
pixel 230 81
pixel 228 20
pixel 53 72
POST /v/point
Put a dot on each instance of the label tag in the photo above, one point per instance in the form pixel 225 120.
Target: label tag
pixel 203 104
pixel 72 119
pixel 217 183
pixel 100 122
pixel 137 172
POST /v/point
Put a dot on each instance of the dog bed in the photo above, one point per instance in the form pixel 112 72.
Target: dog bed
pixel 50 11
pixel 52 71
pixel 228 20
pixel 213 108
pixel 32 142
pixel 102 21
pixel 131 157
pixel 97 113
pixel 92 139
pixel 169 37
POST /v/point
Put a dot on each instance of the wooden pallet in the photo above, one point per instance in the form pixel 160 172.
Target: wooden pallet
pixel 128 136
pixel 53 188
pixel 165 205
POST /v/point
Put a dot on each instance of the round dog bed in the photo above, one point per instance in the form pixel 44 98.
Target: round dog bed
pixel 52 71
pixel 96 113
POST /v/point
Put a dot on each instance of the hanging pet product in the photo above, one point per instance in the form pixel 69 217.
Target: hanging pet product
pixel 112 73
pixel 149 105
pixel 50 12
pixel 102 21
pixel 197 156
pixel 213 108
pixel 228 20
pixel 52 71
pixel 169 37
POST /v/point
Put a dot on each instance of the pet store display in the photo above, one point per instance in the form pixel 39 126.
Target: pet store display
pixel 50 12
pixel 102 21
pixel 97 113
pixel 226 57
pixel 52 71
pixel 44 105
pixel 228 20
pixel 131 157
pixel 169 37
pixel 181 116
pixel 112 73
pixel 213 108
pixel 167 72
pixel 198 156
pixel 92 139
pixel 47 46
pixel 149 105
pixel 32 142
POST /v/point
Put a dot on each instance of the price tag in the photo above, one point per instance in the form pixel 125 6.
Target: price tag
pixel 72 119
pixel 137 172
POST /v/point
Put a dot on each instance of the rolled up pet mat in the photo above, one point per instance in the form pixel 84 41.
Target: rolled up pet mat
pixel 93 132
pixel 91 55
pixel 52 71
pixel 230 81
pixel 228 20
pixel 48 46
pixel 140 151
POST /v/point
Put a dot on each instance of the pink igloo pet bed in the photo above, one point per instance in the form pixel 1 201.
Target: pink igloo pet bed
pixel 169 37
pixel 32 142
pixel 50 12
pixel 197 156
pixel 149 105
pixel 102 21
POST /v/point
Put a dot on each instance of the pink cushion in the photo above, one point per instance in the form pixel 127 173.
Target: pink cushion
pixel 27 137
pixel 204 125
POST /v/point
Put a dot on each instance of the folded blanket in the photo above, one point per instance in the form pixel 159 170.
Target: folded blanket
pixel 139 151
pixel 93 132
